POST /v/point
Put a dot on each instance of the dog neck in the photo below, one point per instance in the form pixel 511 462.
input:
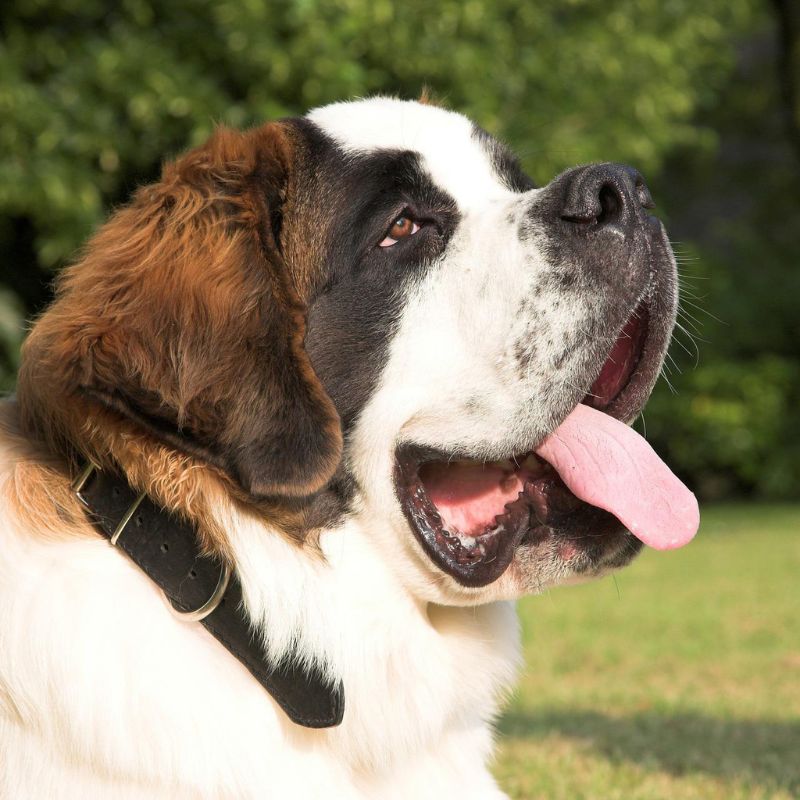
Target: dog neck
pixel 344 609
pixel 338 603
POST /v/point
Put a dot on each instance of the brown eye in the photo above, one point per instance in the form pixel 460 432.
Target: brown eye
pixel 402 228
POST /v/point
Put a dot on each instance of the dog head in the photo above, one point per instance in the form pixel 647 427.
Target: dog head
pixel 380 274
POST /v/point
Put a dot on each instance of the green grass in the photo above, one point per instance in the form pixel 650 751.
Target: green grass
pixel 677 679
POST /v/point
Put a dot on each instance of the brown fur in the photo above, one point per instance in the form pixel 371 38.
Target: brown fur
pixel 428 97
pixel 38 483
pixel 174 347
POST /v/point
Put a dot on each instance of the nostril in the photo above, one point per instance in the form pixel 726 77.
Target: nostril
pixel 602 196
pixel 610 204
pixel 597 205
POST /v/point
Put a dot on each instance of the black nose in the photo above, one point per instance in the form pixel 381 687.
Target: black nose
pixel 606 195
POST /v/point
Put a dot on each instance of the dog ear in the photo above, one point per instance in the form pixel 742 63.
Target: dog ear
pixel 187 320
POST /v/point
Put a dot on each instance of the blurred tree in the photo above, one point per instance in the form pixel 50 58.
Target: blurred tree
pixel 94 96
pixel 733 426
pixel 788 16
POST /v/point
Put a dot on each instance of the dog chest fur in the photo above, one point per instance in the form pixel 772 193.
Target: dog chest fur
pixel 127 701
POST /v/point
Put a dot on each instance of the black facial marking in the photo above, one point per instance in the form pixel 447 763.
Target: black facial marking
pixel 354 315
pixel 505 164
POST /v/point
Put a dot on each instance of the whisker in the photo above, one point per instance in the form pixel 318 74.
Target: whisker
pixel 696 354
pixel 693 276
pixel 691 322
pixel 673 362
pixel 705 311
pixel 684 347
pixel 663 375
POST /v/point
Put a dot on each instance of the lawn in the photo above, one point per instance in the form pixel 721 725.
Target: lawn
pixel 678 678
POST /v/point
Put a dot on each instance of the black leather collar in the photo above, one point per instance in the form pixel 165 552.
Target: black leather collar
pixel 166 549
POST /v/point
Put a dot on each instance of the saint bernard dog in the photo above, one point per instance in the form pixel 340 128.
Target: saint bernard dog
pixel 304 419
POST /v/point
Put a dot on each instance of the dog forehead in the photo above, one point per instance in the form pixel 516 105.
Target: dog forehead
pixel 447 143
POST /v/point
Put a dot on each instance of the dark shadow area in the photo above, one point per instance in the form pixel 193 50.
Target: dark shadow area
pixel 763 753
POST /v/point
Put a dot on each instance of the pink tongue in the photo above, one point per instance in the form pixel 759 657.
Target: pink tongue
pixel 607 464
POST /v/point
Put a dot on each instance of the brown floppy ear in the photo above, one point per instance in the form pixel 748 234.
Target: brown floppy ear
pixel 184 317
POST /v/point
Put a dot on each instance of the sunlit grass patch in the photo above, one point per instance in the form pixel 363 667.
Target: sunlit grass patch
pixel 680 678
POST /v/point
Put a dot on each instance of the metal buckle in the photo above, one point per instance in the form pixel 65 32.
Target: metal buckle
pixel 187 616
pixel 210 605
pixel 81 481
pixel 82 478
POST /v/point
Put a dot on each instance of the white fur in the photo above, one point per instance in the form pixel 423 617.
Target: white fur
pixel 103 694
pixel 454 159
pixel 452 379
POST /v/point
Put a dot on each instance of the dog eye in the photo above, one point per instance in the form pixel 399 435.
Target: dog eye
pixel 403 227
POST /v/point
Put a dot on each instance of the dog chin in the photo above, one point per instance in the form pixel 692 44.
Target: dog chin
pixel 555 560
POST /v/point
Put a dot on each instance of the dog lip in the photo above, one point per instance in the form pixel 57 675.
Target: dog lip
pixel 492 551
pixel 656 304
pixel 544 510
pixel 632 396
pixel 621 363
pixel 647 352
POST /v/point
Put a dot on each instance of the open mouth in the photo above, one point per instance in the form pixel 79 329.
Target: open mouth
pixel 471 516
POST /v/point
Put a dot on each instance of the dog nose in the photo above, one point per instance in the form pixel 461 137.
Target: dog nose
pixel 602 195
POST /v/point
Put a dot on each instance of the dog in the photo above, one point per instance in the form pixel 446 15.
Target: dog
pixel 303 420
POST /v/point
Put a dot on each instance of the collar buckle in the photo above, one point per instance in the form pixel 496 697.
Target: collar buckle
pixel 195 615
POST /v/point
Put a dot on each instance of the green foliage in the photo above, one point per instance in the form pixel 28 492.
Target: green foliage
pixel 11 329
pixel 733 427
pixel 94 95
